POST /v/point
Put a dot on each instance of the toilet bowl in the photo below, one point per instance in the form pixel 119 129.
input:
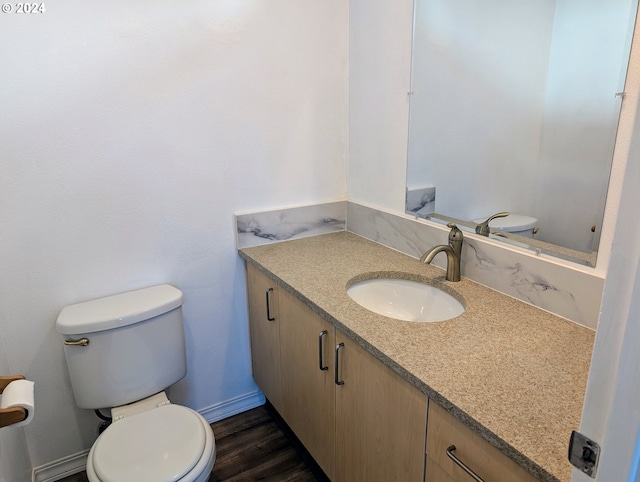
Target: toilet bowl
pixel 122 351
pixel 153 440
pixel 515 224
pixel 167 443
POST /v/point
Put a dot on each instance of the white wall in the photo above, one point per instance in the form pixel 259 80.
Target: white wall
pixel 478 83
pixel 379 73
pixel 581 116
pixel 130 133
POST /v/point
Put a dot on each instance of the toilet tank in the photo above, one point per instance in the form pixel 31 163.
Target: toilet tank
pixel 136 346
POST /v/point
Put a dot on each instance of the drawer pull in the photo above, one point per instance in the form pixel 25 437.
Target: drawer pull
pixel 269 317
pixel 336 372
pixel 320 350
pixel 460 464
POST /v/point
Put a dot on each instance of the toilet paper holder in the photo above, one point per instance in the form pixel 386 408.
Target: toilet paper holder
pixel 11 415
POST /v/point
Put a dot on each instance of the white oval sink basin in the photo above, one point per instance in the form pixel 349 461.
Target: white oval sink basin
pixel 405 300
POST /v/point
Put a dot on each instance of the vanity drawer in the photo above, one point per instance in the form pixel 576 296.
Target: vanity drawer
pixel 487 462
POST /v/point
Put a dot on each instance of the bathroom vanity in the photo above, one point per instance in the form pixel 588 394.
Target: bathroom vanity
pixel 375 398
pixel 369 425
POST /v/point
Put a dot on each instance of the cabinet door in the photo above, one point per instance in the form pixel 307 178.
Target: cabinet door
pixel 380 420
pixel 434 473
pixel 487 462
pixel 308 390
pixel 264 325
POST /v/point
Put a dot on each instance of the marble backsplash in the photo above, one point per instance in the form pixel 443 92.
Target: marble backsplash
pixel 571 293
pixel 421 201
pixel 566 292
pixel 282 225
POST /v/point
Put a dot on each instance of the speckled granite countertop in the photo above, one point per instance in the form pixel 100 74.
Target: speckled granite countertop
pixel 514 373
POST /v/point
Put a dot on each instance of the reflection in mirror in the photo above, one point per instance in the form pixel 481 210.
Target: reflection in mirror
pixel 515 107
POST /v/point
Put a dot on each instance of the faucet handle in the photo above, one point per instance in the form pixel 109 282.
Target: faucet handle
pixel 455 234
pixel 483 227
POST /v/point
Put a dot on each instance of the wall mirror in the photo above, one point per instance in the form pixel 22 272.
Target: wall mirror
pixel 514 108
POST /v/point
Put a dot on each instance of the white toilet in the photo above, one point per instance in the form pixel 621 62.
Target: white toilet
pixel 519 224
pixel 122 351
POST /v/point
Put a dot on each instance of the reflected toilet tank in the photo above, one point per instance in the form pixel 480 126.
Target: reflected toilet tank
pixel 519 224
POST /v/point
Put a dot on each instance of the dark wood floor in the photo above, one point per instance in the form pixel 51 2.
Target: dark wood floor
pixel 253 446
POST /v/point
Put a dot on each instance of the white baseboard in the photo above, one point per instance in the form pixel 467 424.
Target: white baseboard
pixel 233 406
pixel 58 469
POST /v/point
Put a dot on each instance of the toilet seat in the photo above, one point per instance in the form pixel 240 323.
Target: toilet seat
pixel 169 443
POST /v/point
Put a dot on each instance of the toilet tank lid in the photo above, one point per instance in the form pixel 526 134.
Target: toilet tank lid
pixel 118 310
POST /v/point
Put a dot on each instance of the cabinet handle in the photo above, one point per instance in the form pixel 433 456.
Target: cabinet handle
pixel 269 318
pixel 461 464
pixel 336 375
pixel 320 350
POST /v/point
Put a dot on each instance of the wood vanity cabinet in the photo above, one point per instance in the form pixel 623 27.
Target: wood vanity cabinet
pixel 369 427
pixel 476 454
pixel 380 420
pixel 308 390
pixel 361 421
pixel 264 326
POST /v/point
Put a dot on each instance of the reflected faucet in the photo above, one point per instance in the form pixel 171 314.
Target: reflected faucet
pixel 453 251
pixel 483 228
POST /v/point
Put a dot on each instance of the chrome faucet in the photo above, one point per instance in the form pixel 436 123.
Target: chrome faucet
pixel 483 227
pixel 453 251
